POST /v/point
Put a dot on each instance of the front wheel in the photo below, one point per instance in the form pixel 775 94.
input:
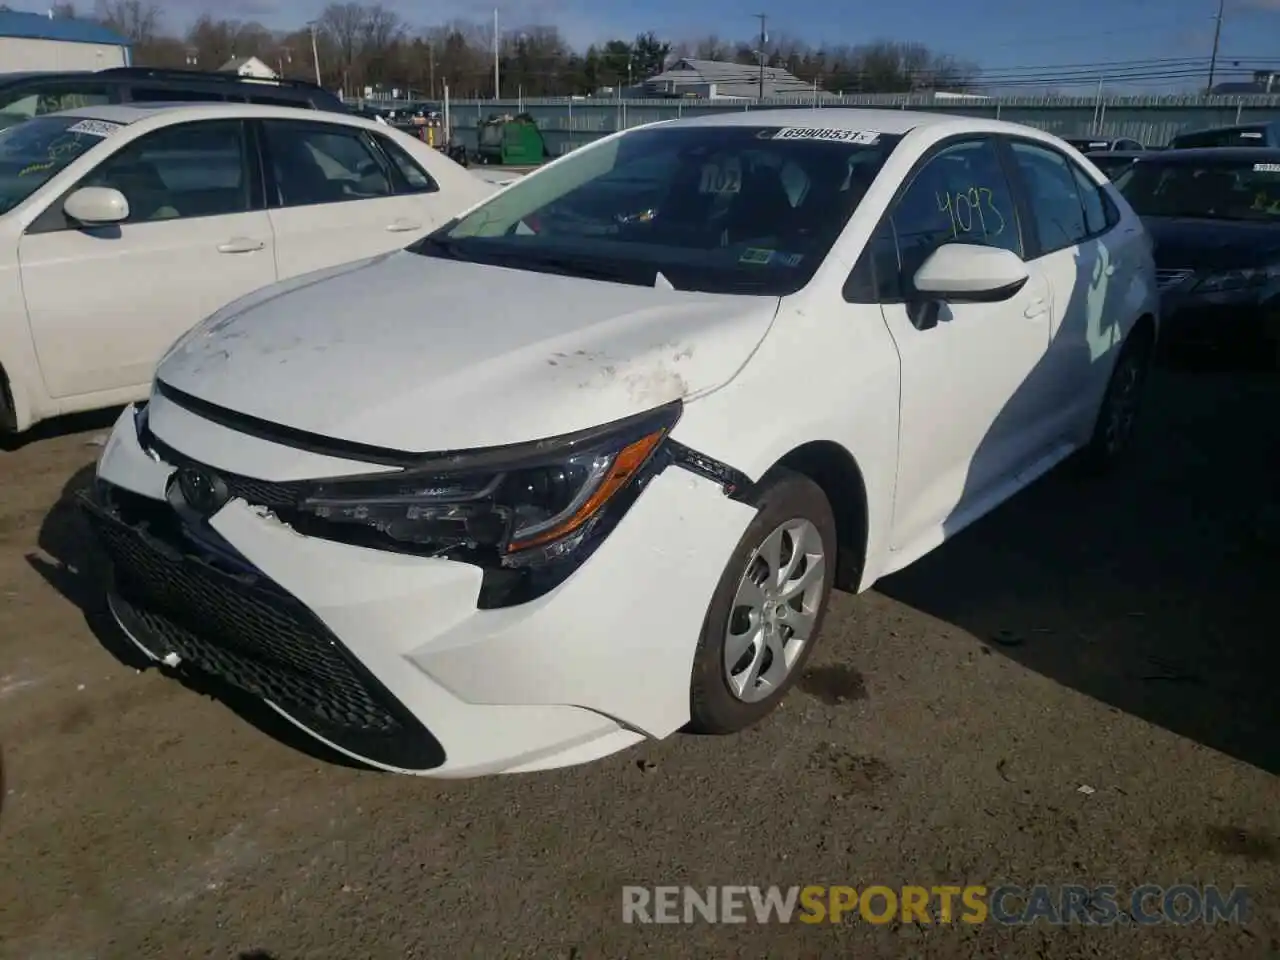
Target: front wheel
pixel 767 609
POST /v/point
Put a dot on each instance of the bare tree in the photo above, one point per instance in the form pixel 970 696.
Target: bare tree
pixel 137 20
pixel 344 26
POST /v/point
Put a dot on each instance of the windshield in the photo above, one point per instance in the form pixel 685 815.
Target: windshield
pixel 33 152
pixel 718 209
pixel 1212 189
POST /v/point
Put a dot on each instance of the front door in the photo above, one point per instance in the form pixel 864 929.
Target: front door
pixel 970 417
pixel 106 302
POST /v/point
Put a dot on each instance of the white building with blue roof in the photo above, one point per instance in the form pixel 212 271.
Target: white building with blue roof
pixel 37 41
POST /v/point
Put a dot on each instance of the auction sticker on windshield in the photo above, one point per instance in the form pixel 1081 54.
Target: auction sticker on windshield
pixel 96 128
pixel 863 137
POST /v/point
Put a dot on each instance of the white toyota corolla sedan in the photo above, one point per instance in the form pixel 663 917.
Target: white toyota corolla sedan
pixel 582 466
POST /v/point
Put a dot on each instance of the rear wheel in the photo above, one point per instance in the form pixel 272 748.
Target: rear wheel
pixel 767 609
pixel 1113 430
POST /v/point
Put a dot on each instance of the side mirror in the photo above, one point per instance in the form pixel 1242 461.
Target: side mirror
pixel 94 206
pixel 970 273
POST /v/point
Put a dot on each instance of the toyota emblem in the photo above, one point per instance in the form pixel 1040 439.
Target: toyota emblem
pixel 204 492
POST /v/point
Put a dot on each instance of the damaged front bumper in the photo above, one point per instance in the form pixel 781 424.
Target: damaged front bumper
pixel 386 657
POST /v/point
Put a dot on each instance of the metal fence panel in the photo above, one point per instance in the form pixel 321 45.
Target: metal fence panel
pixel 568 123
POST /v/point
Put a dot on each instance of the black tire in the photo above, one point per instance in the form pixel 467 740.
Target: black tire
pixel 781 496
pixel 1111 441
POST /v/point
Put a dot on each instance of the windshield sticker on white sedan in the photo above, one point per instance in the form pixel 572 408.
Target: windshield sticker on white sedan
pixel 718 179
pixel 1266 168
pixel 862 137
pixel 95 128
pixel 760 257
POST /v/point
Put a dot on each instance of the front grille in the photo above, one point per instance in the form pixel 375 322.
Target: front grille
pixel 248 632
pixel 1171 278
pixel 258 493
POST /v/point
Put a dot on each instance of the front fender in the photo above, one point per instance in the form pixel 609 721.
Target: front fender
pixel 832 378
pixel 19 363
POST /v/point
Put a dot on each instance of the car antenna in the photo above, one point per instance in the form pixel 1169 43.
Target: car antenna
pixel 662 283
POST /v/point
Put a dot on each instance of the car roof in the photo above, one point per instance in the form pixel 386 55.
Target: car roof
pixel 1201 154
pixel 18 75
pixel 1122 154
pixel 130 113
pixel 832 118
pixel 1228 128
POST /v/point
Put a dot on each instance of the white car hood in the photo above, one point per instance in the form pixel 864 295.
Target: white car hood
pixel 421 354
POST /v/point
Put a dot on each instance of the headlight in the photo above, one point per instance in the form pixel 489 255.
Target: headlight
pixel 1238 279
pixel 511 507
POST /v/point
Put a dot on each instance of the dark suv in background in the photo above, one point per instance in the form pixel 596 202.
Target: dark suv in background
pixel 1266 134
pixel 26 95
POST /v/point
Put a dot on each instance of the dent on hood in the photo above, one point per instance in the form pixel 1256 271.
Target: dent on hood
pixel 653 377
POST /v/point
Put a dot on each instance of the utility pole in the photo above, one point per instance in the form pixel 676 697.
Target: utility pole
pixel 315 52
pixel 497 84
pixel 1217 36
pixel 764 38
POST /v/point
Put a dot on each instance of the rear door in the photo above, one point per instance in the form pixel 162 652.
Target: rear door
pixel 1073 243
pixel 336 196
pixel 105 302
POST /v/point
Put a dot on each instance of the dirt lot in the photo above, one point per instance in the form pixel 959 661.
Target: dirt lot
pixel 1118 636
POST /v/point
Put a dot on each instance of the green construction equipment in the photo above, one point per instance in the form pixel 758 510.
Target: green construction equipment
pixel 511 141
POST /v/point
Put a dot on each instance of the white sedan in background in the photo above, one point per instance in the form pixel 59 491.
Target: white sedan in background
pixel 676 386
pixel 123 226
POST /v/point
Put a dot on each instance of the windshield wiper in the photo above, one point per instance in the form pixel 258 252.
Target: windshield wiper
pixel 447 248
pixel 567 266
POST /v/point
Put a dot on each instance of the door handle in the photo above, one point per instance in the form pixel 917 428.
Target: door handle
pixel 403 226
pixel 240 245
pixel 1036 308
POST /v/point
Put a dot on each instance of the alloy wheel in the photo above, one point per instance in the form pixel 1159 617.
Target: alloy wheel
pixel 774 611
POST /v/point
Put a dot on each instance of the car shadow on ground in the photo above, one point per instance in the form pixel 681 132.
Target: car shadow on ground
pixel 70 561
pixel 61 427
pixel 1152 589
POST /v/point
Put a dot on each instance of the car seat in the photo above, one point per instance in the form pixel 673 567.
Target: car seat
pixel 143 187
pixel 762 207
pixel 299 179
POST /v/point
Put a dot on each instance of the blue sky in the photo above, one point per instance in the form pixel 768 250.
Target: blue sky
pixel 998 34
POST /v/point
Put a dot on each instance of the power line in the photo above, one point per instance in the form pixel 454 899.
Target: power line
pixel 1152 29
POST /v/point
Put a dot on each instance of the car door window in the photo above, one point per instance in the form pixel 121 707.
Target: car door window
pixel 279 101
pixel 960 195
pixel 413 178
pixel 1053 195
pixel 171 95
pixel 315 163
pixel 1099 212
pixel 188 170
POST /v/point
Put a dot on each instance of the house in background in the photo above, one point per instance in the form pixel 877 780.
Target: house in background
pixel 250 67
pixel 720 80
pixel 1264 81
pixel 35 41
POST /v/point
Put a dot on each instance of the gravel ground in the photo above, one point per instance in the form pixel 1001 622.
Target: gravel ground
pixel 1113 635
